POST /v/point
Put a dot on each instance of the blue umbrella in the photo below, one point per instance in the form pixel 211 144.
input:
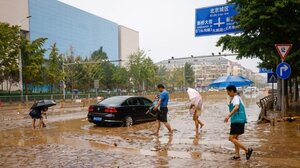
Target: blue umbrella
pixel 225 81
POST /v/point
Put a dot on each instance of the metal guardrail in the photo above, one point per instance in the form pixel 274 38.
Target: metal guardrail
pixel 266 103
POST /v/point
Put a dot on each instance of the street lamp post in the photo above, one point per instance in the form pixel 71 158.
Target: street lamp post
pixel 20 59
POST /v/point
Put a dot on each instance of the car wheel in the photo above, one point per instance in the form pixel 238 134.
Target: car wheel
pixel 128 121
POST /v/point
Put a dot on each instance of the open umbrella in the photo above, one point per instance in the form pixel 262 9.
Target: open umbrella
pixel 43 103
pixel 225 81
pixel 195 98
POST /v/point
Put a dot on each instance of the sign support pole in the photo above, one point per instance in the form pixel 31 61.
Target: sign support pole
pixel 283 50
pixel 273 94
pixel 283 99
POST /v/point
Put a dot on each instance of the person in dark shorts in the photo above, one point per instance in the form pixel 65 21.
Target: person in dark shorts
pixel 238 119
pixel 163 113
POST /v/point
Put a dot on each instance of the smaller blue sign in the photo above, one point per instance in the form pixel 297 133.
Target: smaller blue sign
pixel 272 78
pixel 265 70
pixel 283 70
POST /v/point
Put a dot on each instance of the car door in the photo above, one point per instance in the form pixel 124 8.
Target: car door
pixel 146 105
pixel 134 106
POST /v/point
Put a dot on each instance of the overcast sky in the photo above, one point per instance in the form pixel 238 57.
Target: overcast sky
pixel 166 27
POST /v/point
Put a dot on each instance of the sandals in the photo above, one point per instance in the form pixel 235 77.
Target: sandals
pixel 249 153
pixel 235 158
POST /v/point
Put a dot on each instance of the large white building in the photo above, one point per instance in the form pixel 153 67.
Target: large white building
pixel 207 68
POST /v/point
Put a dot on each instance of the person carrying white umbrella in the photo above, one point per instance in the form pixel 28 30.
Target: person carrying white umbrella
pixel 195 107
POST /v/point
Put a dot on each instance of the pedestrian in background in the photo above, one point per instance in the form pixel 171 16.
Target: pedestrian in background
pixel 38 113
pixel 195 113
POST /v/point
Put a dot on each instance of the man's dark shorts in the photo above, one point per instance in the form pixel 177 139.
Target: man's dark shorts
pixel 162 114
pixel 237 128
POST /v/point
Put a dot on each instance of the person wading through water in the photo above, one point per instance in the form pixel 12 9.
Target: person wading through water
pixel 238 119
pixel 163 113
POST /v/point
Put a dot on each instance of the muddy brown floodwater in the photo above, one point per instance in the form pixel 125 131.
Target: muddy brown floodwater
pixel 77 143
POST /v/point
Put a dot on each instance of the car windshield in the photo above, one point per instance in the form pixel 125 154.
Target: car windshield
pixel 112 101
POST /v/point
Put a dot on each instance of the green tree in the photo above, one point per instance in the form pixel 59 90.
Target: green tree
pixel 121 77
pixel 104 69
pixel 32 62
pixel 162 74
pixel 142 70
pixel 176 78
pixel 72 70
pixel 189 75
pixel 54 68
pixel 99 54
pixel 265 23
pixel 149 73
pixel 9 50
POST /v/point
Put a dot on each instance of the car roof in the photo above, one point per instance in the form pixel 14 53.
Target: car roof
pixel 127 97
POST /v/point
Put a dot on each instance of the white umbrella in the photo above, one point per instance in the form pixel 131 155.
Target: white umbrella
pixel 195 98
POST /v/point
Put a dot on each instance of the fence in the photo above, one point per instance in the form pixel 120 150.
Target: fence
pixel 89 96
pixel 32 98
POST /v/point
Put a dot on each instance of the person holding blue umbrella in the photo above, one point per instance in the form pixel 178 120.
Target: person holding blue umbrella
pixel 238 119
pixel 225 81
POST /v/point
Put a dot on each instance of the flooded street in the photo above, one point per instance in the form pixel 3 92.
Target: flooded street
pixel 78 143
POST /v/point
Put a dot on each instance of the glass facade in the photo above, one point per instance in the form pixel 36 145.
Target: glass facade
pixel 69 26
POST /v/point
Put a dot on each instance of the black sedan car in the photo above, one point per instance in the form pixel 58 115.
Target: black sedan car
pixel 125 110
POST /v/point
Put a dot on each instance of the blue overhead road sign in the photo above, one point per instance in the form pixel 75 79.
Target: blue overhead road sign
pixel 283 70
pixel 215 20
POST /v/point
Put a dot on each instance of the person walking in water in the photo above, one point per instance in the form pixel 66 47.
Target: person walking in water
pixel 163 104
pixel 38 113
pixel 238 119
pixel 195 113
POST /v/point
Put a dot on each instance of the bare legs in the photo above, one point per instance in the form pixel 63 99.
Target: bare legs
pixel 235 140
pixel 41 123
pixel 197 123
pixel 33 123
pixel 167 125
pixel 158 127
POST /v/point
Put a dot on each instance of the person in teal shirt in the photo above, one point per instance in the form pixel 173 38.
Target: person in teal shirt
pixel 238 119
pixel 163 113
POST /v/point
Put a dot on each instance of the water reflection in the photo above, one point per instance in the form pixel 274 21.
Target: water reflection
pixel 74 140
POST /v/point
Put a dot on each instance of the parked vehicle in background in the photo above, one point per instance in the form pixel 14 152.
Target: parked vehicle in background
pixel 126 110
pixel 251 90
pixel 213 90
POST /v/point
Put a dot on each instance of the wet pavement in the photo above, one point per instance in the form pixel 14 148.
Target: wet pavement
pixel 71 141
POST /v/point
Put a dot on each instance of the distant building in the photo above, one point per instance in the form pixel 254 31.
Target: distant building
pixel 128 42
pixel 69 27
pixel 208 68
